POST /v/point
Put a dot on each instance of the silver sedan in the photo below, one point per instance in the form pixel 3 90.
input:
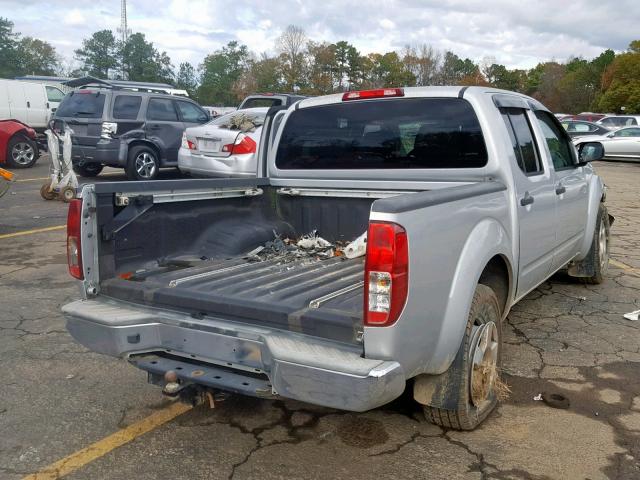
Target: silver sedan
pixel 224 147
pixel 622 144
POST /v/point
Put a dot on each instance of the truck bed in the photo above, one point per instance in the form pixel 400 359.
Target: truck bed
pixel 319 297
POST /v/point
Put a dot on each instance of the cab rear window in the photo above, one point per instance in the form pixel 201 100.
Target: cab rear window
pixel 82 105
pixel 421 133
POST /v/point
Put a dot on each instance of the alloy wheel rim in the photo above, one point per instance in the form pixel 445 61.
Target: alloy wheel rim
pixel 22 153
pixel 484 362
pixel 603 246
pixel 145 165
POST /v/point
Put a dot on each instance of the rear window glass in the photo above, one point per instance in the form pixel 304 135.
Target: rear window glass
pixel 239 120
pixel 81 105
pixel 261 102
pixel 126 107
pixel 383 134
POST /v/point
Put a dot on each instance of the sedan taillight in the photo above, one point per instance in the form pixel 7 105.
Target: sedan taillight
pixel 74 245
pixel 243 144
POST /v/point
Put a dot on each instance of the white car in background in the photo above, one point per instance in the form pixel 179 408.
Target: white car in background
pixel 224 147
pixel 622 144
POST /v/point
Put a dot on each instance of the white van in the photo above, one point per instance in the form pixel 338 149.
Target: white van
pixel 31 103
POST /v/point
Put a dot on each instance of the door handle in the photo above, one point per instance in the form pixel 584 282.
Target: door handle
pixel 154 127
pixel 28 104
pixel 526 200
pixel 560 189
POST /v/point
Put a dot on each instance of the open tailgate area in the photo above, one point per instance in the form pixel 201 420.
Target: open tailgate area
pixel 319 297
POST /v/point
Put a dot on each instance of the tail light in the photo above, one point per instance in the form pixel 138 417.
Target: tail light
pixel 109 129
pixel 386 274
pixel 243 144
pixel 377 93
pixel 74 246
pixel 186 143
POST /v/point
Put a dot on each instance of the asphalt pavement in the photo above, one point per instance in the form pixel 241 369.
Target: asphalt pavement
pixel 66 412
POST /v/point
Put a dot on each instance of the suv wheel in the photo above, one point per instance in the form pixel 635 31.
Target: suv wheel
pixel 88 169
pixel 143 164
pixel 22 152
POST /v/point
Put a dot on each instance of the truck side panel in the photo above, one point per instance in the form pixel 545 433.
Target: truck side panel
pixel 427 335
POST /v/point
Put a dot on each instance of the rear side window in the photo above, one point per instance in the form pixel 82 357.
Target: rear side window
pixel 54 94
pixel 261 102
pixel 126 107
pixel 522 139
pixel 82 105
pixel 412 133
pixel 162 110
pixel 192 114
pixel 558 142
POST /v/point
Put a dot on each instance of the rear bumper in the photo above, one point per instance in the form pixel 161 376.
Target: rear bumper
pixel 105 152
pixel 297 366
pixel 241 166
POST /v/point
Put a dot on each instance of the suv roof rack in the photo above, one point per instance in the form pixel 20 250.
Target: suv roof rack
pixel 119 85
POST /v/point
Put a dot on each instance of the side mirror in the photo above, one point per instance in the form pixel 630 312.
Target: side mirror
pixel 589 152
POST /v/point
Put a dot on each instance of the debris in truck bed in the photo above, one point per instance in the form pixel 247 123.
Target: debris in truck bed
pixel 311 246
pixel 357 248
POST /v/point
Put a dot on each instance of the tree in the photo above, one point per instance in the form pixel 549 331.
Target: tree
pixel 622 82
pixel 8 49
pixel 263 75
pixel 349 68
pixel 454 69
pixel 100 55
pixel 37 57
pixel 500 76
pixel 423 62
pixel 220 71
pixel 321 69
pixel 186 78
pixel 386 70
pixel 143 63
pixel 292 56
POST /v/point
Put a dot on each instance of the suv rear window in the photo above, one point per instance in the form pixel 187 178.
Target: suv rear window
pixel 126 107
pixel 382 134
pixel 82 105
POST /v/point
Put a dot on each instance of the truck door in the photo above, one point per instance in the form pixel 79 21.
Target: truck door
pixel 164 129
pixel 570 187
pixel 535 201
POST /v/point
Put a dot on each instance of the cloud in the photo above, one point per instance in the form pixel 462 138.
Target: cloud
pixel 515 33
pixel 74 18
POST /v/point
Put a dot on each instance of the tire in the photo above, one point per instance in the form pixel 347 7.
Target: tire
pixel 67 194
pixel 22 152
pixel 88 169
pixel 483 323
pixel 143 164
pixel 599 252
pixel 46 193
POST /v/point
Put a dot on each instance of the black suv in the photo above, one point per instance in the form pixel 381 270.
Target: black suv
pixel 140 131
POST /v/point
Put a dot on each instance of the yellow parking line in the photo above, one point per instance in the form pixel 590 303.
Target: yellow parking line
pixel 100 448
pixel 30 232
pixel 624 266
pixel 32 179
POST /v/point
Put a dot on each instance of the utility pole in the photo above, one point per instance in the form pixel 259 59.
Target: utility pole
pixel 124 31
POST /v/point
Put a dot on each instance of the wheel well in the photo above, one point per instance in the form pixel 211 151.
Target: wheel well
pixel 142 143
pixel 496 274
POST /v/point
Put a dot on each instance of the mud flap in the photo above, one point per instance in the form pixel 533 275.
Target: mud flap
pixel 440 391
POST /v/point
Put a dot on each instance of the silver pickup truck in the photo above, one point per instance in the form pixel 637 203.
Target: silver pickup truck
pixel 470 197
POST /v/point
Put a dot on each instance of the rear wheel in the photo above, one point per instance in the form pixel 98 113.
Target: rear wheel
pixel 143 164
pixel 599 253
pixel 88 169
pixel 476 366
pixel 22 152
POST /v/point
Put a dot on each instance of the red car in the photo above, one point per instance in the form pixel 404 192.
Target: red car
pixel 18 146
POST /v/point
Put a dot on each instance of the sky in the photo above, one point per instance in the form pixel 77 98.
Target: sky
pixel 517 33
